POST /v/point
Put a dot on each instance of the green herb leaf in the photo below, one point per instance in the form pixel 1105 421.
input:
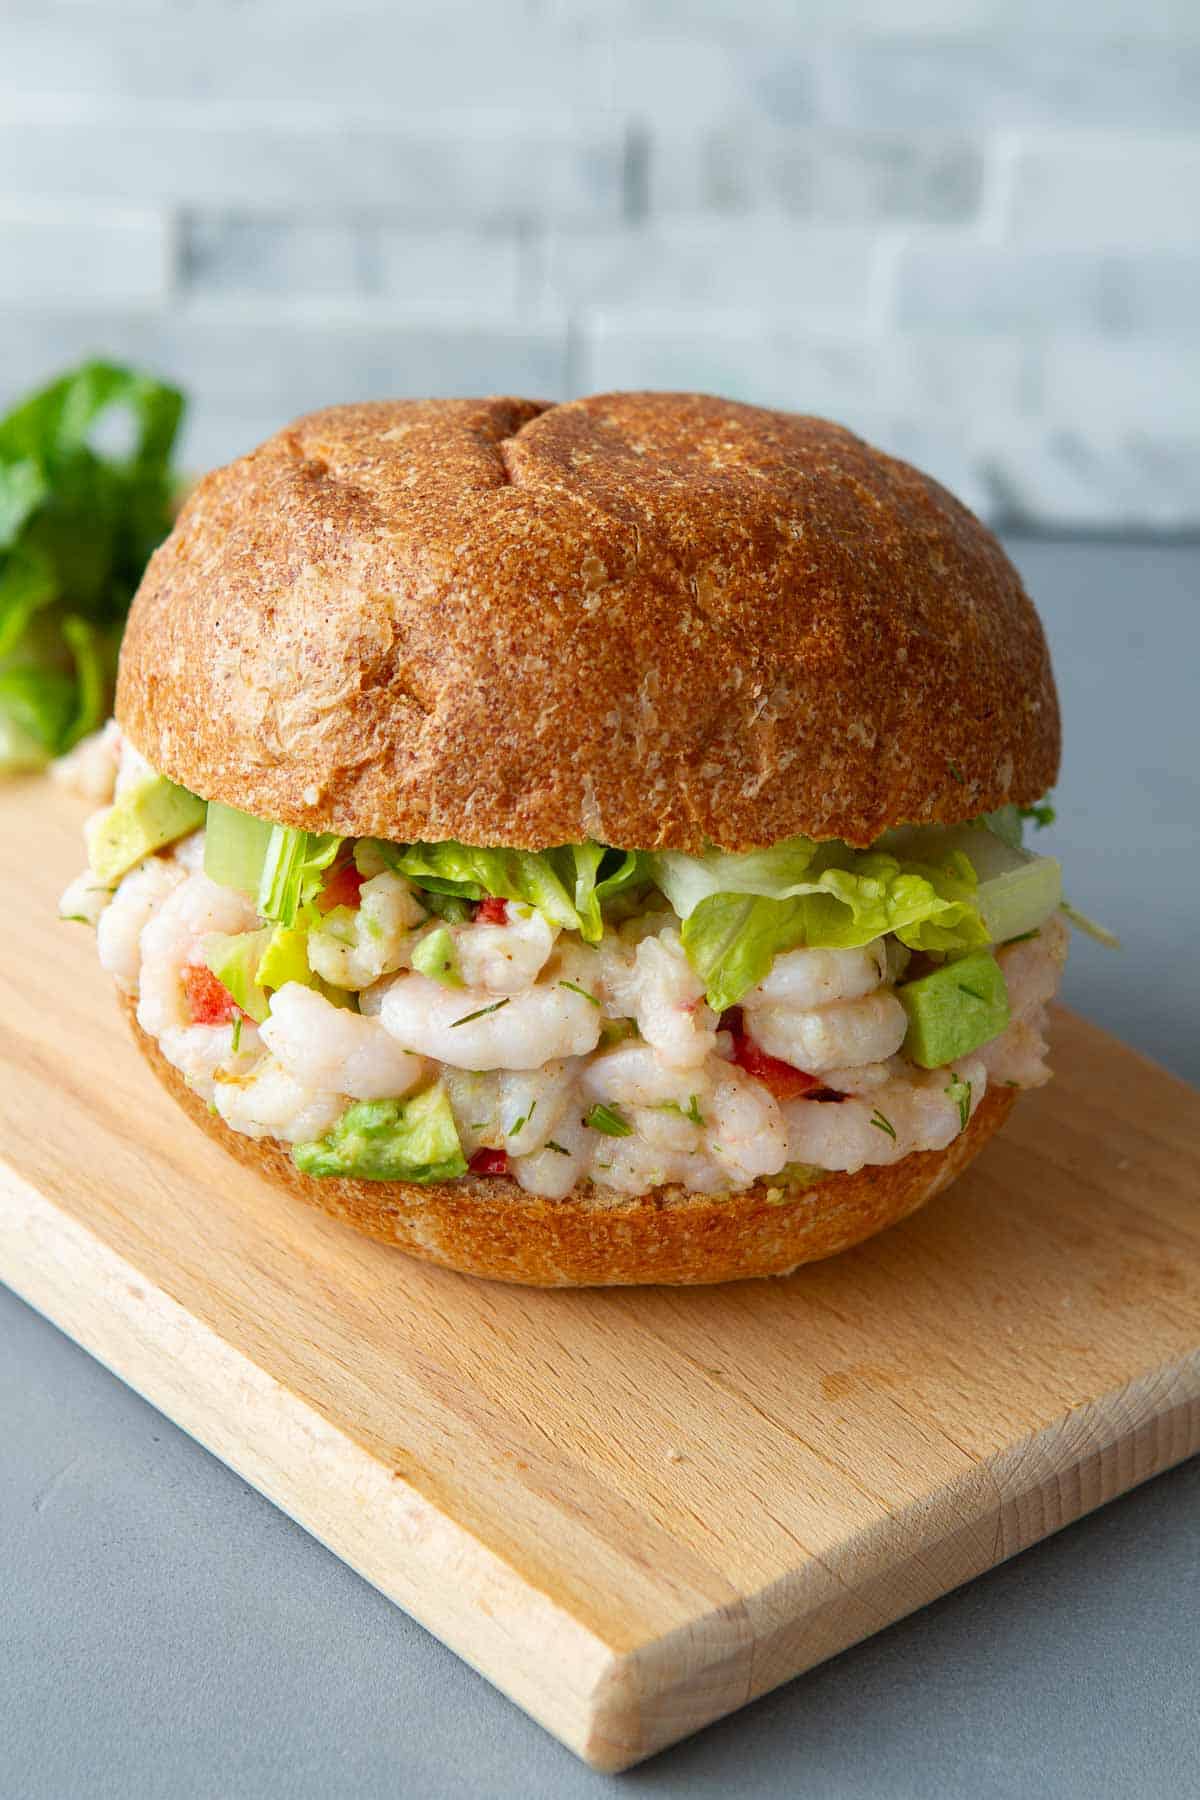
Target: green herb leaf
pixel 882 1123
pixel 1090 927
pixel 609 1120
pixel 691 1111
pixel 582 992
pixel 959 1091
pixel 551 1145
pixel 479 1013
pixel 518 1125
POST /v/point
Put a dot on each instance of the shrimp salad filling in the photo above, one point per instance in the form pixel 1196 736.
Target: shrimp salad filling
pixel 634 1020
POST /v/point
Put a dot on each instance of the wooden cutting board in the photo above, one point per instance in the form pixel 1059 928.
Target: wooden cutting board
pixel 632 1510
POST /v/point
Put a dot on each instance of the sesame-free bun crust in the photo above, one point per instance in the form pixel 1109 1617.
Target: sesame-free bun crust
pixel 490 1226
pixel 657 620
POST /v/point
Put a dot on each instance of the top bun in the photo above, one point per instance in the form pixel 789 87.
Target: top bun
pixel 656 620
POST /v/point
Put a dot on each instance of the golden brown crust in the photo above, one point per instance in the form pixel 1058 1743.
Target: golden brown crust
pixel 652 619
pixel 490 1226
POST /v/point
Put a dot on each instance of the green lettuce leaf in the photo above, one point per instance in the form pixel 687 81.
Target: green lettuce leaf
pixel 569 885
pixel 1017 890
pixel 389 1140
pixel 77 524
pixel 775 874
pixel 469 874
pixel 600 875
pixel 732 938
pixel 293 871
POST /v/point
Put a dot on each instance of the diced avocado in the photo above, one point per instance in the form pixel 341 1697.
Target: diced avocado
pixel 285 958
pixel 954 1009
pixel 234 959
pixel 435 956
pixel 389 1140
pixel 235 845
pixel 141 820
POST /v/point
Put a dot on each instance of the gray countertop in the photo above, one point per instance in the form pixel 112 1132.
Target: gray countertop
pixel 165 1631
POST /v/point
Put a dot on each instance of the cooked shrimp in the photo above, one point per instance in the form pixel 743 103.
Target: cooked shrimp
pixel 132 767
pixel 851 1031
pixel 553 1171
pixel 1031 973
pixel 531 1104
pixel 327 1046
pixel 668 1127
pixel 745 1132
pixel 862 1078
pixel 172 939
pixel 269 1102
pixel 188 852
pixel 1017 1058
pixel 202 1052
pixel 90 768
pixel 808 978
pixel 84 899
pixel 118 933
pixel 662 991
pixel 505 959
pixel 474 1097
pixel 633 1166
pixel 354 947
pixel 922 1111
pixel 632 1075
pixel 470 1029
pixel 1033 969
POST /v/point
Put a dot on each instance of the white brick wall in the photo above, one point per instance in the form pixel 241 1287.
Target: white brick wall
pixel 81 257
pixel 969 228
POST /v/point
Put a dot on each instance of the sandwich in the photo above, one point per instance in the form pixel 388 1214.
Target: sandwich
pixel 583 844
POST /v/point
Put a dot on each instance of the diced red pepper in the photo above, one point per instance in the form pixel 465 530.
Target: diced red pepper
pixel 491 911
pixel 489 1162
pixel 341 888
pixel 779 1078
pixel 210 1001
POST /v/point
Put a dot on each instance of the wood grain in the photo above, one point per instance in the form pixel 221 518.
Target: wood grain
pixel 633 1510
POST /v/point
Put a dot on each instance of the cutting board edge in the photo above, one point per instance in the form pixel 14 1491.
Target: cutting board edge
pixel 1147 1442
pixel 104 1303
pixel 612 1709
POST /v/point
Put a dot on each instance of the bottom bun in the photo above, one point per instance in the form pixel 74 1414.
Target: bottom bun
pixel 488 1225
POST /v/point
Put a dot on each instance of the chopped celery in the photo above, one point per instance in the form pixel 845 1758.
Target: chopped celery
pixel 235 845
